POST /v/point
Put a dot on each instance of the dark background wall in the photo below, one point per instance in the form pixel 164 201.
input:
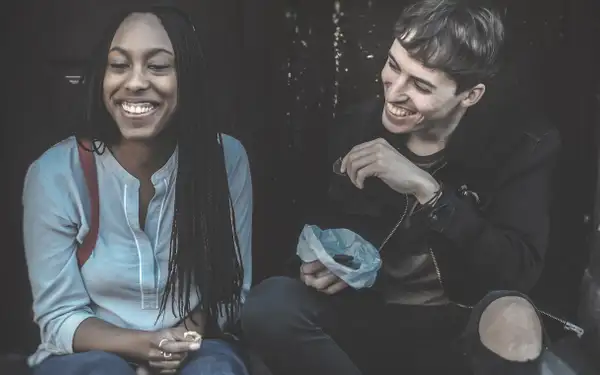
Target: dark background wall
pixel 284 69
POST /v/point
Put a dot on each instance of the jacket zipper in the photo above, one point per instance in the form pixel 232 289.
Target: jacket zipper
pixel 385 241
pixel 403 216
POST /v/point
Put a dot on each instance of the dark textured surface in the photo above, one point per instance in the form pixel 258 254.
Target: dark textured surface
pixel 275 67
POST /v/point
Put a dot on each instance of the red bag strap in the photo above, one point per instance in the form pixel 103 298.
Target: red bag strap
pixel 88 163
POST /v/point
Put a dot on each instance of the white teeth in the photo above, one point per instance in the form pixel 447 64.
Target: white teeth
pixel 398 111
pixel 137 108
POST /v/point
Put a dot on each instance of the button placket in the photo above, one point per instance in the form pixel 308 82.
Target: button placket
pixel 145 250
pixel 156 207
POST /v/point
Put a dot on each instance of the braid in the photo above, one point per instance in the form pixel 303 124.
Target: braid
pixel 204 252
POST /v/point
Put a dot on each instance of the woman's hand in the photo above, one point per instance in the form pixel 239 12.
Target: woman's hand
pixel 169 348
pixel 143 370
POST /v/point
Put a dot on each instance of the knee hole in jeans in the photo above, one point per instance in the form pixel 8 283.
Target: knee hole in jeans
pixel 510 327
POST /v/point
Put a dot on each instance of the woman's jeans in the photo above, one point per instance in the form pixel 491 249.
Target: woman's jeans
pixel 216 357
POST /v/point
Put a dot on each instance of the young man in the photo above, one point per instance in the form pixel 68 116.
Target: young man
pixel 456 199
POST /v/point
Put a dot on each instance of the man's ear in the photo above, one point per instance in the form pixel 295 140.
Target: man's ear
pixel 473 95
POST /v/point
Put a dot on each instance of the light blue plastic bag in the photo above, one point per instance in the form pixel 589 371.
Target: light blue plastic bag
pixel 323 245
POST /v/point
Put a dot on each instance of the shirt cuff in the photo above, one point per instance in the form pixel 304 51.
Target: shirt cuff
pixel 67 330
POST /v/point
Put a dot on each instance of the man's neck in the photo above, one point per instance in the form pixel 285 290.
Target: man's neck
pixel 143 158
pixel 433 137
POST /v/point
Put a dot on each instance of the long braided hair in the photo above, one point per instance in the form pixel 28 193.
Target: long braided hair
pixel 204 251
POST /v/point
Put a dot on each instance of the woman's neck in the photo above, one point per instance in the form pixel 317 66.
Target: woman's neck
pixel 143 158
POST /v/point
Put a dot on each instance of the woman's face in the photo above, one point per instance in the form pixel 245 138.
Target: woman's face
pixel 140 82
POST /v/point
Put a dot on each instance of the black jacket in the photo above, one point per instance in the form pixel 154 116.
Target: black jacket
pixel 495 241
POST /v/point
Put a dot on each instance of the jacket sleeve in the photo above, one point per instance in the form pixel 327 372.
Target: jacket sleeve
pixel 60 300
pixel 504 244
pixel 240 187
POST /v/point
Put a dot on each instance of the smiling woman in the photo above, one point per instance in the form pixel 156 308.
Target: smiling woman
pixel 171 264
pixel 140 83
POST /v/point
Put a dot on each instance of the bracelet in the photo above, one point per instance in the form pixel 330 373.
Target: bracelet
pixel 436 197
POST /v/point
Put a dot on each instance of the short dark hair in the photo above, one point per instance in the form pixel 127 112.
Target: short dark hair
pixel 463 38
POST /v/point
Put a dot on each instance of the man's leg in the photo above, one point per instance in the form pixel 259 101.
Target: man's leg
pixel 88 363
pixel 505 335
pixel 422 340
pixel 215 357
pixel 291 326
pixel 511 328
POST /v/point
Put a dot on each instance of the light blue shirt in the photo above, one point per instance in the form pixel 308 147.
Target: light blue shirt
pixel 123 280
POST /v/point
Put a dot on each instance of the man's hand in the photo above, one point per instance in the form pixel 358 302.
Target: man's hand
pixel 316 275
pixel 379 159
pixel 169 349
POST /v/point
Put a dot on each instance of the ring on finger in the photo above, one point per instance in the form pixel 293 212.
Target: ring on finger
pixel 161 342
pixel 164 354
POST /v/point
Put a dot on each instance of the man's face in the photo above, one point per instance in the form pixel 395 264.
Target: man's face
pixel 416 97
